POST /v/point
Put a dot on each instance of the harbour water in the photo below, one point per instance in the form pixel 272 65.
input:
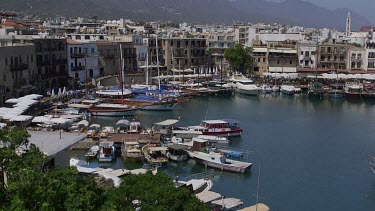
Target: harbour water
pixel 313 152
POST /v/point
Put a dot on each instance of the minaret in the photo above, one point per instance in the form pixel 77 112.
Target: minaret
pixel 348 25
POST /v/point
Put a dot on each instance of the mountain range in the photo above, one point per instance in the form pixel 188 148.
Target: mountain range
pixel 292 12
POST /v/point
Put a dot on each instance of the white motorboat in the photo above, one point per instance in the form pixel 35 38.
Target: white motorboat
pixel 93 151
pixel 266 89
pixel 247 87
pixel 276 88
pixel 107 109
pixel 219 161
pixel 106 152
pixel 214 139
pixel 198 185
pixel 287 89
pixel 224 127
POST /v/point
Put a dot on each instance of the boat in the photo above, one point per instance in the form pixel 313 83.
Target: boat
pixel 231 153
pixel 247 87
pixel 225 127
pixel 154 154
pixel 106 151
pixel 131 150
pixel 219 160
pixel 176 152
pixel 214 139
pixel 93 130
pixel 315 90
pixel 276 88
pixel 93 151
pixel 287 89
pixel 353 90
pixel 369 90
pixel 266 89
pixel 108 109
pixel 197 185
pixel 337 91
pixel 135 127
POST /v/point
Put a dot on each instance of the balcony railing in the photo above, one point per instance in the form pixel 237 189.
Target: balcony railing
pixel 78 68
pixel 77 55
pixel 19 67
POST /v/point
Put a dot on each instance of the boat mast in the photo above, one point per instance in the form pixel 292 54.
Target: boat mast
pixel 122 74
pixel 256 205
pixel 147 70
pixel 157 60
pixel 221 72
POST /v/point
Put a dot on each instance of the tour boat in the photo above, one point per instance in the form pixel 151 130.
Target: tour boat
pixel 218 160
pixel 247 87
pixel 106 152
pixel 225 127
pixel 353 90
pixel 93 151
pixel 107 109
pixel 315 90
pixel 287 89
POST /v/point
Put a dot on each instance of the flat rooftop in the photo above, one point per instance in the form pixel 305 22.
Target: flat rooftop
pixel 50 142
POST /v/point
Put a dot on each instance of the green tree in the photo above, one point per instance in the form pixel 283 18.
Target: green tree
pixel 239 58
pixel 155 192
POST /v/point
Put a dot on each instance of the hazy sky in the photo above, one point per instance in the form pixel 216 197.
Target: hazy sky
pixel 363 7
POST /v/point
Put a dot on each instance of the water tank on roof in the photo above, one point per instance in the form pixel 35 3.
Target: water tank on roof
pixel 114 22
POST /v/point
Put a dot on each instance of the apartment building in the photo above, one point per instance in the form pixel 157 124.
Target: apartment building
pixel 217 44
pixel 307 52
pixel 356 59
pixel 17 71
pixel 182 53
pixel 333 56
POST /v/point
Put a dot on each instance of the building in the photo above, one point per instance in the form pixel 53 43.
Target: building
pixel 17 71
pixel 370 57
pixel 217 43
pixel 332 56
pixel 83 62
pixel 242 33
pixel 109 57
pixel 183 53
pixel 260 57
pixel 282 57
pixel 356 59
pixel 307 55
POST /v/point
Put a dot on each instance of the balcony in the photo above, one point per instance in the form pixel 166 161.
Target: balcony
pixel 77 55
pixel 78 68
pixel 19 67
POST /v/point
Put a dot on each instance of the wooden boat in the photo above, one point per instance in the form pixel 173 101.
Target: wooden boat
pixel 154 154
pixel 93 151
pixel 177 152
pixel 106 152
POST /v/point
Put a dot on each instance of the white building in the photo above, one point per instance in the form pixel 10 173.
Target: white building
pixel 82 61
pixel 266 34
pixel 307 55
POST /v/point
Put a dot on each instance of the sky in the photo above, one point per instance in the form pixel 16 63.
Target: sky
pixel 363 7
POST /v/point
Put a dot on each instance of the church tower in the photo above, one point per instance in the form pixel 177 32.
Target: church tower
pixel 348 25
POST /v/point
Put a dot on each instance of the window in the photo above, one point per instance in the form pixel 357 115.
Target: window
pixel 32 58
pixel 11 60
pixel 301 52
pixel 92 50
pixel 76 76
pixel 6 61
pixel 87 37
pixel 291 62
pixel 91 73
pixel 4 77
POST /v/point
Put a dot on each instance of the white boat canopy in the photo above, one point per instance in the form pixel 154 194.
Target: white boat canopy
pixel 123 122
pixel 42 119
pixel 167 122
pixel 84 123
pixel 261 207
pixel 208 196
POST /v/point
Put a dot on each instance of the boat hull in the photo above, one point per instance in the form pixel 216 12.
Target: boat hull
pixel 105 159
pixel 223 167
pixel 162 107
pixel 336 95
pixel 112 112
pixel 251 92
pixel 353 96
pixel 224 133
pixel 287 92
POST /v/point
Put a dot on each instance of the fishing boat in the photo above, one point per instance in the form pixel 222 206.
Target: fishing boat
pixel 247 87
pixel 107 109
pixel 131 150
pixel 353 90
pixel 315 90
pixel 287 89
pixel 337 91
pixel 93 151
pixel 106 152
pixel 219 160
pixel 225 127
pixel 154 154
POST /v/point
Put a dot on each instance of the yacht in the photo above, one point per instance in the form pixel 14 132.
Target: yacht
pixel 107 109
pixel 247 87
